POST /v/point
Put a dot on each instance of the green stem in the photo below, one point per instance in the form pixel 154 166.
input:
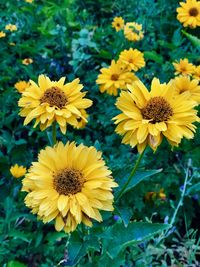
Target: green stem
pixel 54 132
pixel 180 203
pixel 130 176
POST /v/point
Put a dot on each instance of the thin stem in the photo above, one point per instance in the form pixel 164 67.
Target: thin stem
pixel 181 199
pixel 54 132
pixel 180 203
pixel 130 176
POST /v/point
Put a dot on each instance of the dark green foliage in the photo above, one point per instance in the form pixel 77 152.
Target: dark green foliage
pixel 74 38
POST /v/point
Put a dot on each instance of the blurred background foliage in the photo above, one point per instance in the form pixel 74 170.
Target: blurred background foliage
pixel 74 38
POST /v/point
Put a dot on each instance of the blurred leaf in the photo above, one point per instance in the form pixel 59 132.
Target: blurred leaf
pixel 15 264
pixel 152 55
pixel 193 189
pixel 194 40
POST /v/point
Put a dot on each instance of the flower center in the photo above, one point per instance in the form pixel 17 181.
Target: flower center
pixel 114 77
pixel 118 25
pixel 54 97
pixel 193 12
pixel 130 60
pixel 157 109
pixel 68 181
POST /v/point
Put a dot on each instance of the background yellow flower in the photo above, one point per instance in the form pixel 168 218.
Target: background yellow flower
pixel 11 27
pixel 118 23
pixel 115 77
pixel 17 171
pixel 133 31
pixel 27 61
pixel 189 13
pixel 133 59
pixel 184 67
pixel 183 84
pixel 21 86
pixel 51 101
pixel 2 34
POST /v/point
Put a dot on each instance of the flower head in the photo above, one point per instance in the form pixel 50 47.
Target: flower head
pixel 29 1
pixel 21 86
pixel 133 31
pixel 196 74
pixel 118 23
pixel 17 171
pixel 183 84
pixel 114 77
pixel 27 61
pixel 146 117
pixel 51 101
pixel 2 34
pixel 189 13
pixel 133 59
pixel 184 67
pixel 11 27
pixel 70 184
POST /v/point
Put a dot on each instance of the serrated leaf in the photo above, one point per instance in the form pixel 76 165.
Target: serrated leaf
pixel 152 55
pixel 193 39
pixel 122 237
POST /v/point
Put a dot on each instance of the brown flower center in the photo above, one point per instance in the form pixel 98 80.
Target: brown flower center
pixel 130 60
pixel 193 12
pixel 54 96
pixel 157 109
pixel 68 181
pixel 118 25
pixel 114 77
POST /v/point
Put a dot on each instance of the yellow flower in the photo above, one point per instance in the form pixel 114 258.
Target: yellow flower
pixel 27 61
pixel 29 1
pixel 11 27
pixel 189 13
pixel 133 31
pixel 118 23
pixel 12 44
pixel 133 59
pixel 184 67
pixel 21 86
pixel 184 84
pixel 2 34
pixel 147 117
pixel 17 171
pixel 114 77
pixel 70 184
pixel 196 74
pixel 53 101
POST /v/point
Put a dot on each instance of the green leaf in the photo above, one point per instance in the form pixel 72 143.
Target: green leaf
pixel 135 233
pixel 125 214
pixel 152 55
pixel 20 235
pixel 177 38
pixel 15 264
pixel 193 189
pixel 137 178
pixel 193 39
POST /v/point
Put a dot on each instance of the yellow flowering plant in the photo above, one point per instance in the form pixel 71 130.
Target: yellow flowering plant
pixel 99 108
